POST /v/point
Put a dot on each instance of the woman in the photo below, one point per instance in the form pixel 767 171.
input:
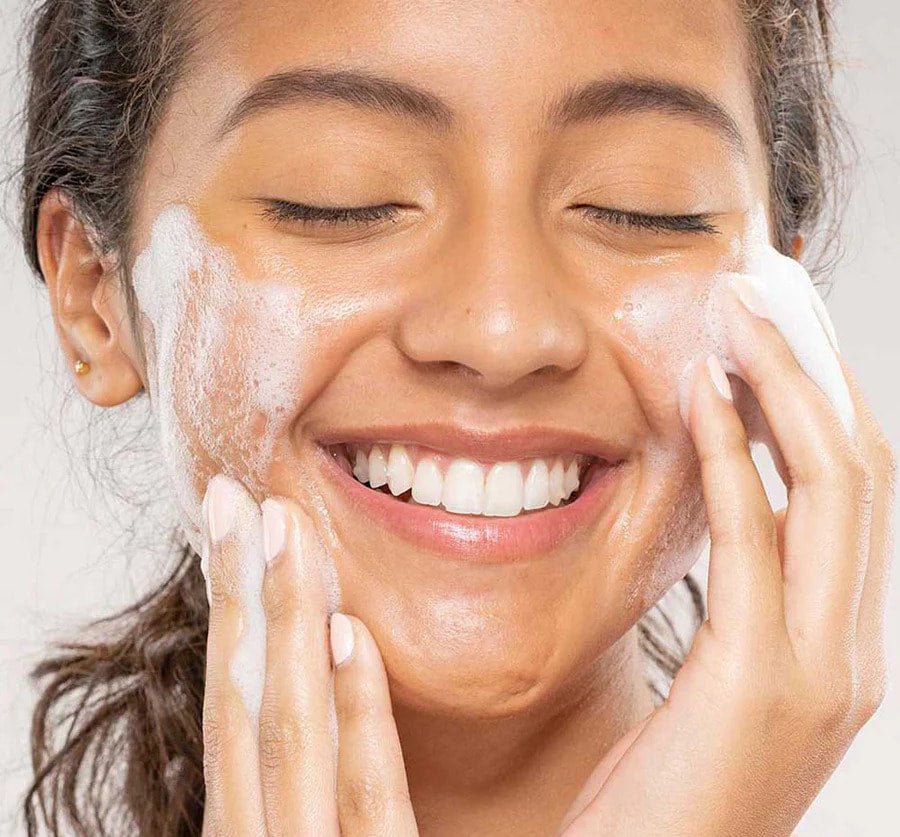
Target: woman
pixel 420 294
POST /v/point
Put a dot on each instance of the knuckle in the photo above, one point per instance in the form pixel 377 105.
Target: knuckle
pixel 281 602
pixel 219 732
pixel 873 688
pixel 281 740
pixel 366 798
pixel 855 471
pixel 761 533
pixel 729 445
pixel 756 533
pixel 774 685
pixel 872 697
pixel 885 458
pixel 837 701
pixel 359 706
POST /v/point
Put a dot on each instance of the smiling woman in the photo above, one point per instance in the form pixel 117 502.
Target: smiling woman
pixel 435 308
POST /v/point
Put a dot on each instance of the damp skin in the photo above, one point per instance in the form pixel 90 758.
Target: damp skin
pixel 673 322
pixel 226 360
pixel 385 316
pixel 232 351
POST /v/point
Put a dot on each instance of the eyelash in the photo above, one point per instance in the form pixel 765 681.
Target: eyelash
pixel 327 216
pixel 689 224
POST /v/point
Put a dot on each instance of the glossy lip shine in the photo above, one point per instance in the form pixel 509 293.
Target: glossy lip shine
pixel 474 537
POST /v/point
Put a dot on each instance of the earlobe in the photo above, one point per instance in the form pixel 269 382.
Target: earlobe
pixel 89 310
pixel 797 244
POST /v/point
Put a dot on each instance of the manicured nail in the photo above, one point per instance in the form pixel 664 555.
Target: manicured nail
pixel 341 638
pixel 747 290
pixel 274 520
pixel 719 378
pixel 219 507
pixel 204 568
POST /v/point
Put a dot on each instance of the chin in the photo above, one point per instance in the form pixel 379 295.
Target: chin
pixel 474 686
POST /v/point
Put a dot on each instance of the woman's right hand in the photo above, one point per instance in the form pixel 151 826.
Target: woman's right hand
pixel 279 777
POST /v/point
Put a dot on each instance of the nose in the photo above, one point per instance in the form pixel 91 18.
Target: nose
pixel 496 302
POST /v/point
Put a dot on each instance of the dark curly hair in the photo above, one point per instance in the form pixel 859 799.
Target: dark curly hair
pixel 125 712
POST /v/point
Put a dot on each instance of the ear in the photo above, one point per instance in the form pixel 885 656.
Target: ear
pixel 797 244
pixel 89 308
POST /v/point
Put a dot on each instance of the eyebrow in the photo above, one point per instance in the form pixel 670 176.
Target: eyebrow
pixel 590 102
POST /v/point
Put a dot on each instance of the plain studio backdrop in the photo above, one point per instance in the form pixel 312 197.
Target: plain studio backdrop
pixel 63 553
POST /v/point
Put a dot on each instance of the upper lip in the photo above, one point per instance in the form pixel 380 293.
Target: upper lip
pixel 496 445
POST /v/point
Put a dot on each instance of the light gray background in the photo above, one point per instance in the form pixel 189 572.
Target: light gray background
pixel 63 565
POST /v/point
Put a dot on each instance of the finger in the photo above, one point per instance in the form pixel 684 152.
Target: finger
pixel 233 799
pixel 601 772
pixel 297 748
pixel 745 582
pixel 873 600
pixel 373 795
pixel 826 529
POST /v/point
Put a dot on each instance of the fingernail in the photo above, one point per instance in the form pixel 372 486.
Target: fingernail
pixel 274 520
pixel 204 568
pixel 747 290
pixel 719 378
pixel 341 638
pixel 219 507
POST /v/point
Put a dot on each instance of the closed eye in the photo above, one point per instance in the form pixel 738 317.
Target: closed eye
pixel 690 224
pixel 359 216
pixel 328 216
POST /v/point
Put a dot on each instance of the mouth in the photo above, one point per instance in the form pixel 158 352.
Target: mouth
pixel 463 485
pixel 471 506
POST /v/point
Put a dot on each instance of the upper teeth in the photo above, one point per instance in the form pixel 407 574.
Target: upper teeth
pixel 463 485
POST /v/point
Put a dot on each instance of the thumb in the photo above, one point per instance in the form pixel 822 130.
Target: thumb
pixel 601 772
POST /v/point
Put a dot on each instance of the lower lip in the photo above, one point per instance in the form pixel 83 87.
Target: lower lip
pixel 494 540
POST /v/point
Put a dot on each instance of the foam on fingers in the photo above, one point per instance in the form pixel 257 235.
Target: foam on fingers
pixel 241 568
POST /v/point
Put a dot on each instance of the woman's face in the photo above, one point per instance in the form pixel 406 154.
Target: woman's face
pixel 495 317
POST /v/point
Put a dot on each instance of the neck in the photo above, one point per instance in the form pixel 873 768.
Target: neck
pixel 519 774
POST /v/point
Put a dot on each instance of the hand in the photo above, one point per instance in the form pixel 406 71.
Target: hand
pixel 278 777
pixel 790 663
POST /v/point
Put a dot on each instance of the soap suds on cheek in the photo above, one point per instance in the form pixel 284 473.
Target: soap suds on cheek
pixel 226 368
pixel 225 360
pixel 671 324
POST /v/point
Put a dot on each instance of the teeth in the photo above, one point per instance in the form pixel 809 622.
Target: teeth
pixel 504 490
pixel 570 479
pixel 463 487
pixel 556 482
pixel 361 467
pixel 400 470
pixel 460 485
pixel 377 468
pixel 537 486
pixel 428 485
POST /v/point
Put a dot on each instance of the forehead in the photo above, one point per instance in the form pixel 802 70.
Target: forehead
pixel 497 64
pixel 494 60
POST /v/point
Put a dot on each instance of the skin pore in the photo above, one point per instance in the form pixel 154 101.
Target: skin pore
pixel 491 302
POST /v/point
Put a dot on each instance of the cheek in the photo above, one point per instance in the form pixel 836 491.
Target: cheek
pixel 232 361
pixel 659 330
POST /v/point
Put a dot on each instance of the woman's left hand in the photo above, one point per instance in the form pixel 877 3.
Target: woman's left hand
pixel 790 663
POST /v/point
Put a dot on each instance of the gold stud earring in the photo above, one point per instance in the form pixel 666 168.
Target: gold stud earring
pixel 82 367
